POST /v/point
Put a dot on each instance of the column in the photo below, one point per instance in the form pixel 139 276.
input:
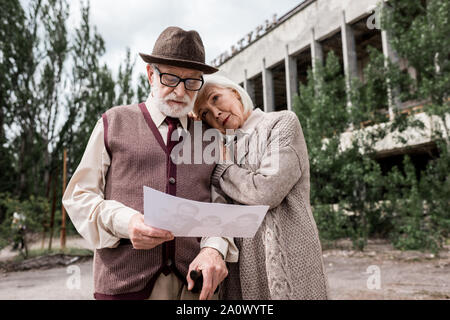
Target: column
pixel 389 53
pixel 316 50
pixel 350 58
pixel 249 86
pixel 268 92
pixel 291 77
pixel 349 51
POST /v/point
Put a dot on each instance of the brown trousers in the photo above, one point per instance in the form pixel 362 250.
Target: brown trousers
pixel 171 288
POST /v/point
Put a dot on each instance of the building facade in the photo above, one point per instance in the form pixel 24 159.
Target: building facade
pixel 271 61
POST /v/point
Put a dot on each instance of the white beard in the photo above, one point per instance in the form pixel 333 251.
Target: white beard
pixel 165 108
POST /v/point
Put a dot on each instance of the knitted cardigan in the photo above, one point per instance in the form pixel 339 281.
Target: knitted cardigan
pixel 284 259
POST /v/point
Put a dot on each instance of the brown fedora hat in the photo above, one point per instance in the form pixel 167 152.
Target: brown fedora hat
pixel 179 48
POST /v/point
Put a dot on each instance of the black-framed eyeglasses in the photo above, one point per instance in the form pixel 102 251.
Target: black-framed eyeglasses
pixel 171 80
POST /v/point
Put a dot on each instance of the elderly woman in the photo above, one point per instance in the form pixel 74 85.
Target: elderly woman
pixel 284 259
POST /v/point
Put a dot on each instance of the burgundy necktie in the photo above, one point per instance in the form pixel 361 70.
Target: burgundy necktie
pixel 173 124
pixel 172 172
pixel 169 247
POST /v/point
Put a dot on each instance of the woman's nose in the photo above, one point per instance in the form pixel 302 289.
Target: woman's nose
pixel 217 113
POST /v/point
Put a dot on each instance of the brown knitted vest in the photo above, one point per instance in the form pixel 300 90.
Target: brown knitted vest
pixel 140 158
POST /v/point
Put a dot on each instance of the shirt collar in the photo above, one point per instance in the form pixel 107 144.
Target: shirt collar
pixel 158 117
pixel 255 117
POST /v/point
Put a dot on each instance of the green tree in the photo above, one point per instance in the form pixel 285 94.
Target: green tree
pixel 13 48
pixel 35 211
pixel 350 195
pixel 339 176
pixel 34 51
pixel 92 89
pixel 143 87
pixel 124 81
pixel 419 33
pixel 53 90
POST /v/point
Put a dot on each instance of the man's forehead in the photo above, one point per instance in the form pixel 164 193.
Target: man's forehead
pixel 180 71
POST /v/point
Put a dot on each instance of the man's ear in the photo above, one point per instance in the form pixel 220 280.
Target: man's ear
pixel 150 73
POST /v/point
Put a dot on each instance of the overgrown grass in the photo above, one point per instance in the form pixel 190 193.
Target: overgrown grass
pixel 45 252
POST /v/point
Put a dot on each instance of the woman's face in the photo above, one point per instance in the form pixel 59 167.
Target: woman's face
pixel 221 108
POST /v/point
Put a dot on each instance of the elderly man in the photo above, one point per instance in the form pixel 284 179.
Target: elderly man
pixel 130 148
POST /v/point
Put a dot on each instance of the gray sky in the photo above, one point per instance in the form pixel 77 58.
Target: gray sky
pixel 137 23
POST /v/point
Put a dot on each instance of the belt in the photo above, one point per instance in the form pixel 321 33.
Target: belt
pixel 124 241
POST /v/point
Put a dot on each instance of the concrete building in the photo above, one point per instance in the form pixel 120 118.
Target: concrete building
pixel 270 61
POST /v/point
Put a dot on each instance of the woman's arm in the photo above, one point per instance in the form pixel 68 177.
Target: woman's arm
pixel 268 185
pixel 280 167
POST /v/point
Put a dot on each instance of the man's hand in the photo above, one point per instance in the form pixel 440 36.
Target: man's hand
pixel 143 236
pixel 213 268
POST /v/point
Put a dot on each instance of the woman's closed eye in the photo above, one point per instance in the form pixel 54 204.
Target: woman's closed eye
pixel 214 98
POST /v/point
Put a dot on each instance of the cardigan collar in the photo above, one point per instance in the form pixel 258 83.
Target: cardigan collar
pixel 244 133
pixel 252 121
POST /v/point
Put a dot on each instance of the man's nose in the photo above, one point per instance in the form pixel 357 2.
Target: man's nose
pixel 180 90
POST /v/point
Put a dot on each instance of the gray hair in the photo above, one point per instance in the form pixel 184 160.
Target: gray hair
pixel 224 82
pixel 153 65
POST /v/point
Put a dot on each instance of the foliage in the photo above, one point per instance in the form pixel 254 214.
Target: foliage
pixel 419 33
pixel 419 209
pixel 143 87
pixel 92 88
pixel 350 194
pixel 326 88
pixel 34 209
pixel 53 90
pixel 126 92
pixel 341 176
pixel 332 222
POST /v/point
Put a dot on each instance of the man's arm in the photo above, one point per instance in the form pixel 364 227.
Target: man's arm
pixel 224 245
pixel 103 222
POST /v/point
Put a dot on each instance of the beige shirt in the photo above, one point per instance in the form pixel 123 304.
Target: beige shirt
pixel 104 222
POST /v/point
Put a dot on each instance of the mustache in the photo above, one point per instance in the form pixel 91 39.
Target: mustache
pixel 172 96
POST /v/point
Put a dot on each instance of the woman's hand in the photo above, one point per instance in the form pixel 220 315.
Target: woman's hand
pixel 226 152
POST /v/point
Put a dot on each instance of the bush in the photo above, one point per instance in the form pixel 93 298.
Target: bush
pixel 332 222
pixel 35 211
pixel 419 208
pixel 408 208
